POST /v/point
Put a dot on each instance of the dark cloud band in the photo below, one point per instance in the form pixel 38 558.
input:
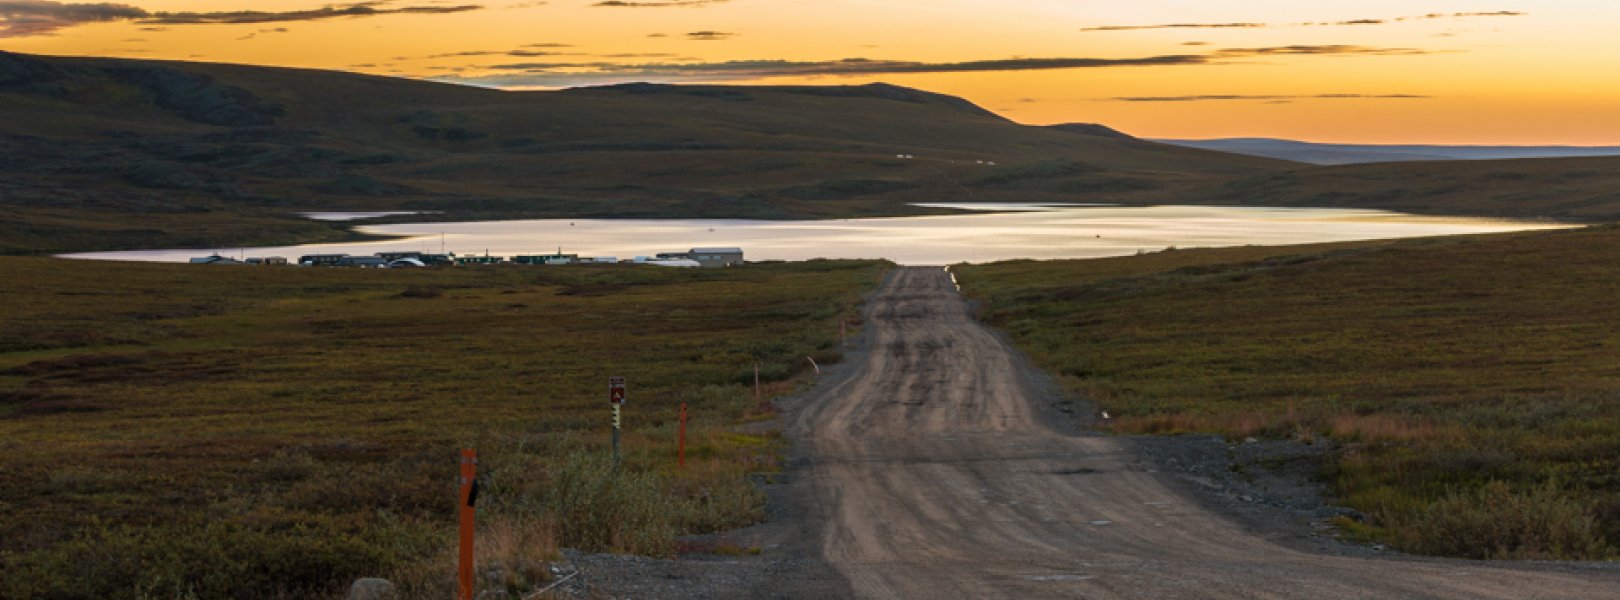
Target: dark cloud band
pixel 669 4
pixel 567 74
pixel 1349 22
pixel 1265 98
pixel 19 18
pixel 364 9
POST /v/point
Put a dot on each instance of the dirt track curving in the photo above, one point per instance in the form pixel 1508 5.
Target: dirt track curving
pixel 933 474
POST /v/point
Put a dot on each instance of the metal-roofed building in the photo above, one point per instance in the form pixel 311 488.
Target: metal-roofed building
pixel 717 257
pixel 708 257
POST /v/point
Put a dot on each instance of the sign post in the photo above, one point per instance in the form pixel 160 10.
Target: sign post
pixel 469 495
pixel 680 460
pixel 616 397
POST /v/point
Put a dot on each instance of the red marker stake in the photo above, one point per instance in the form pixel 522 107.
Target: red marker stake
pixel 469 491
pixel 681 452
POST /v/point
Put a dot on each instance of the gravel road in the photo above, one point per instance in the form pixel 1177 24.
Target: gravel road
pixel 932 470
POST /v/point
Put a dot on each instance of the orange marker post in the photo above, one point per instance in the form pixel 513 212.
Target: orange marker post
pixel 680 459
pixel 469 495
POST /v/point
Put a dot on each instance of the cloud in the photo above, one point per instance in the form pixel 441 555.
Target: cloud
pixel 362 9
pixel 1348 22
pixel 515 53
pixel 1264 98
pixel 710 36
pixel 849 66
pixel 660 4
pixel 256 33
pixel 569 74
pixel 1177 26
pixel 1332 49
pixel 19 18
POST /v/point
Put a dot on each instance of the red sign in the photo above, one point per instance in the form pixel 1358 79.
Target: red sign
pixel 616 390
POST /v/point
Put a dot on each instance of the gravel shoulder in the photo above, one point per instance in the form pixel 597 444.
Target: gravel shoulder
pixel 936 463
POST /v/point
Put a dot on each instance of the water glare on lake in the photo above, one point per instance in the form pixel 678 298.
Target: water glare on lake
pixel 1040 232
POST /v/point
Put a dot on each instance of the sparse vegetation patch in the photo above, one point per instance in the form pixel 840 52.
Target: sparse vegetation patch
pixel 1469 382
pixel 280 432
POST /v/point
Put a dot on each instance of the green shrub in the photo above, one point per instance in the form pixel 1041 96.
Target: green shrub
pixel 1497 522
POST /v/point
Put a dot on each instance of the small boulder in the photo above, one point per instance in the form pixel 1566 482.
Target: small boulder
pixel 372 588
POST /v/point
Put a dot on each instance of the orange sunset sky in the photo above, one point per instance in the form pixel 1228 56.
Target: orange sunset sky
pixel 1369 71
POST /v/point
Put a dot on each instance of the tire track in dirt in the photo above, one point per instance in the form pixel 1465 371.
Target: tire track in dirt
pixel 933 476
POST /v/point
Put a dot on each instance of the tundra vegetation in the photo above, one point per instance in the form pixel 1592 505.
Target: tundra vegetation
pixel 1468 384
pixel 260 432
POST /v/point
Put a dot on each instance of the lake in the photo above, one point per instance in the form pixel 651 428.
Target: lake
pixel 1021 231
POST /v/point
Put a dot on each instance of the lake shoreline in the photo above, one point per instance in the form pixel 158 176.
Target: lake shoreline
pixel 974 233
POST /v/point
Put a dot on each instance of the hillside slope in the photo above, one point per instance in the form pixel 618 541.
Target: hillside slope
pixel 1583 189
pixel 104 153
pixel 1345 154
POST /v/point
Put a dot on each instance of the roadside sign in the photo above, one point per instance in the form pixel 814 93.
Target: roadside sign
pixel 616 390
pixel 616 398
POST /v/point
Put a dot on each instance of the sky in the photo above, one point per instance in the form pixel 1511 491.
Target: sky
pixel 1367 71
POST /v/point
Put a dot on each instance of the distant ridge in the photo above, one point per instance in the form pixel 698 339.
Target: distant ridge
pixel 101 153
pixel 882 91
pixel 1345 154
pixel 1092 129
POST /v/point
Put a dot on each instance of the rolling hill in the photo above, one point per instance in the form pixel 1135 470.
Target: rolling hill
pixel 107 153
pixel 1583 189
pixel 1345 154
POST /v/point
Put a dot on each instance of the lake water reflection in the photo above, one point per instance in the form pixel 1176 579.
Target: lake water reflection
pixel 1041 232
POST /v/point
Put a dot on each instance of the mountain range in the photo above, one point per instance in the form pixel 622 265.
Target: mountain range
pixel 102 154
pixel 119 153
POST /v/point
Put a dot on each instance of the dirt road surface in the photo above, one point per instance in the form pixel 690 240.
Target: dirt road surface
pixel 933 473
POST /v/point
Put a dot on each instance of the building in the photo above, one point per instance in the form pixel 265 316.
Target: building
pixel 479 260
pixel 393 256
pixel 268 261
pixel 671 262
pixel 363 261
pixel 546 259
pixel 215 259
pixel 321 260
pixel 708 257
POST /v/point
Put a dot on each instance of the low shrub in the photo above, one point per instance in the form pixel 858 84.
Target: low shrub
pixel 1498 522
